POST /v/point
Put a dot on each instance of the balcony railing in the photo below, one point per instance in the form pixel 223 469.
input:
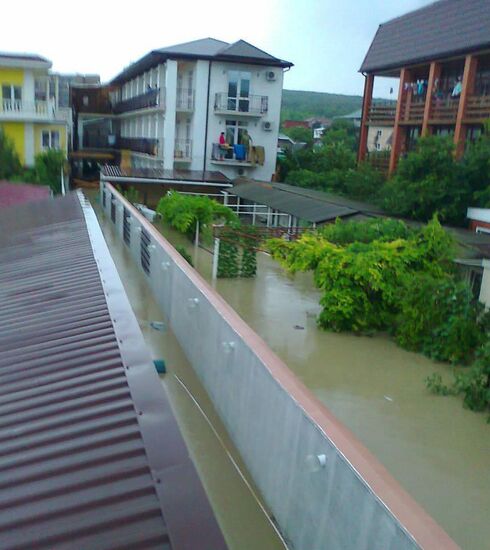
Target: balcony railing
pixel 100 142
pixel 382 114
pixel 185 99
pixel 151 98
pixel 477 108
pixel 183 149
pixel 255 105
pixel 148 146
pixel 444 110
pixel 412 110
pixel 38 108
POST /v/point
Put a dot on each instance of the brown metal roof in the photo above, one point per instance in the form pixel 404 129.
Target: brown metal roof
pixel 91 456
pixel 18 193
pixel 442 29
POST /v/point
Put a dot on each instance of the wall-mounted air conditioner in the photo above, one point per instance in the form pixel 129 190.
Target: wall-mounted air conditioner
pixel 267 125
pixel 270 75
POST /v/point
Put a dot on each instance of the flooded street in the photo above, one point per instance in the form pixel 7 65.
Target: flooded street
pixel 438 451
pixel 242 519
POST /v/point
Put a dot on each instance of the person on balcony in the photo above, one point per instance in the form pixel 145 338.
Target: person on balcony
pixel 457 88
pixel 247 143
pixel 223 146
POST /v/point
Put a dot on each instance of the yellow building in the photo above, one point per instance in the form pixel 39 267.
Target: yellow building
pixel 30 112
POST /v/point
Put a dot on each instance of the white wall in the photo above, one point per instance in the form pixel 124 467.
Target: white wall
pixel 258 86
pixel 386 132
pixel 199 117
pixel 169 122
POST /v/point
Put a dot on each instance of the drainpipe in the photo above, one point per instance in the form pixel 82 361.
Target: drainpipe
pixel 207 120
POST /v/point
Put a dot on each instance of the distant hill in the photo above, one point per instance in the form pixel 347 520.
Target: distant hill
pixel 298 105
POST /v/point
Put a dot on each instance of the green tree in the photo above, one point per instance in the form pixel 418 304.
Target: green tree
pixel 300 134
pixel 342 131
pixel 184 211
pixel 9 159
pixel 48 167
pixel 427 181
pixel 476 169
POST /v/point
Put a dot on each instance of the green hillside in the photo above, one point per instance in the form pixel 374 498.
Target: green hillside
pixel 298 105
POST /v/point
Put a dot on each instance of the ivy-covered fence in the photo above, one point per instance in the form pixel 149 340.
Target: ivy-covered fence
pixel 237 252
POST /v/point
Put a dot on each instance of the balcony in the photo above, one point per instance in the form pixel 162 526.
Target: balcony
pixel 382 114
pixel 252 106
pixel 185 100
pixel 235 155
pixel 443 110
pixel 412 111
pixel 15 109
pixel 477 109
pixel 147 146
pixel 148 100
pixel 183 150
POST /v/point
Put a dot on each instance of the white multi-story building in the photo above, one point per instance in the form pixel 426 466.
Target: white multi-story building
pixel 172 105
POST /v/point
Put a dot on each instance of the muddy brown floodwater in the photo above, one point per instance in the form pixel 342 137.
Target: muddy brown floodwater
pixel 438 451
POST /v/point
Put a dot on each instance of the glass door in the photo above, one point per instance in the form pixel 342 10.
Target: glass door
pixel 239 91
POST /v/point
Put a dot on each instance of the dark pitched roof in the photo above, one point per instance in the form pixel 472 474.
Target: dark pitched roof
pixel 91 455
pixel 205 48
pixel 18 193
pixel 306 204
pixel 442 29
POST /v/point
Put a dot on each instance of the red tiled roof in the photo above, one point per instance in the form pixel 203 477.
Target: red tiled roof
pixel 18 193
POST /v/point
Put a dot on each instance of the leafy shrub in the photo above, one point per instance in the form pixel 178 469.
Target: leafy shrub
pixel 9 159
pixel 306 178
pixel 427 181
pixel 183 252
pixel 228 263
pixel 184 211
pixel 363 184
pixel 439 317
pixel 362 281
pixel 383 229
pixel 47 166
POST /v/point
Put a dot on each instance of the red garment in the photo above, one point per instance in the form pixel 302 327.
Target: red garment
pixel 222 140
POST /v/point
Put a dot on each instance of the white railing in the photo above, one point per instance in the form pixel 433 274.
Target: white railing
pixel 183 149
pixel 324 489
pixel 185 99
pixel 37 108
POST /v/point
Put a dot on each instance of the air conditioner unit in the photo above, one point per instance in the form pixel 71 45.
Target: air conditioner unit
pixel 267 125
pixel 270 75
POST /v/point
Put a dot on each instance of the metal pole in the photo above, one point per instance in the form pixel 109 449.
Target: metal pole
pixel 215 258
pixel 253 213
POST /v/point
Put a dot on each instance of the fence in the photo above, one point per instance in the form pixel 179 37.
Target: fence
pixel 322 486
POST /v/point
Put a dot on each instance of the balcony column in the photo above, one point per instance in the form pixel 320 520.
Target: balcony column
pixel 170 111
pixel 468 88
pixel 398 130
pixel 366 107
pixel 434 74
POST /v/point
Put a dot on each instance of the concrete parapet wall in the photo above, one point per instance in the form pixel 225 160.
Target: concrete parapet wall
pixel 325 490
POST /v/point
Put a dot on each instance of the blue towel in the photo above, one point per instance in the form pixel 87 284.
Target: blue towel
pixel 240 152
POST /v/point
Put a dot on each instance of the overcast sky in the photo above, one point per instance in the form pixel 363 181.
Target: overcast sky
pixel 325 39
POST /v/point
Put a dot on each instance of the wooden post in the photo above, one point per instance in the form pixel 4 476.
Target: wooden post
pixel 468 86
pixel 366 107
pixel 398 130
pixel 434 74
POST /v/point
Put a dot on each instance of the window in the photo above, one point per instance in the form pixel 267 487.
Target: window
pixel 11 92
pixel 234 131
pixel 379 132
pixel 239 91
pixel 378 146
pixel 50 139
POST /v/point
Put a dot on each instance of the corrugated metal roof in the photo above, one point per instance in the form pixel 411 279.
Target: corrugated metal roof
pixel 442 29
pixel 306 204
pixel 18 193
pixel 91 456
pixel 116 171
